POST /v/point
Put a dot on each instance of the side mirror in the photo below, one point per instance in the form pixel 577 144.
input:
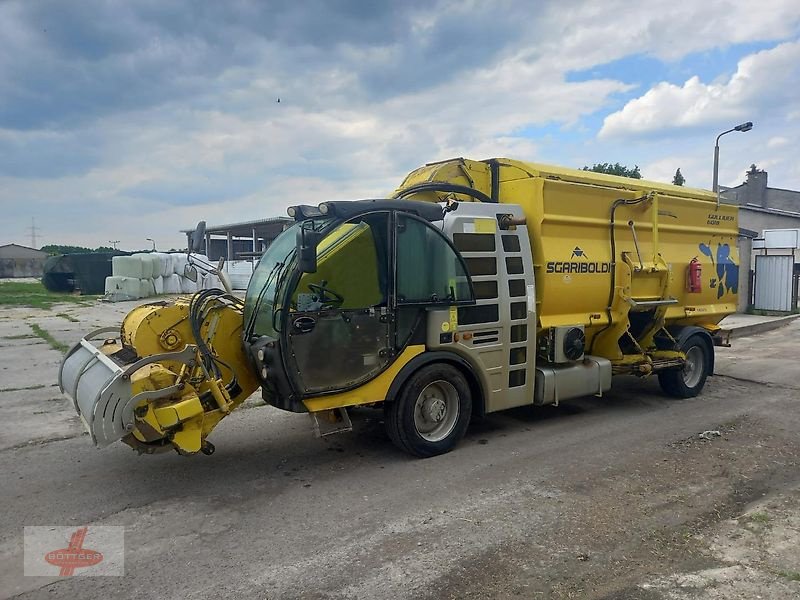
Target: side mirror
pixel 198 238
pixel 307 241
pixel 190 272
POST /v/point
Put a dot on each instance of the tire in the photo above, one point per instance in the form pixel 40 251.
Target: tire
pixel 432 411
pixel 688 382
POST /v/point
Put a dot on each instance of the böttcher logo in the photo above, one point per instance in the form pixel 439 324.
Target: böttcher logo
pixel 91 550
pixel 74 556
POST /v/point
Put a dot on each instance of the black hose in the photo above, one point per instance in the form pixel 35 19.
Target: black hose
pixel 616 204
pixel 209 360
pixel 444 187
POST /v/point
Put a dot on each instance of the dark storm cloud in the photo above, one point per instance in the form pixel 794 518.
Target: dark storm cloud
pixel 49 155
pixel 67 64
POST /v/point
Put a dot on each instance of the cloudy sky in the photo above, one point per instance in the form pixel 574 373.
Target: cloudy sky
pixel 123 120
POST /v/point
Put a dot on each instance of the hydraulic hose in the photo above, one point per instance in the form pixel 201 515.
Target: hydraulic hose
pixel 616 204
pixel 444 187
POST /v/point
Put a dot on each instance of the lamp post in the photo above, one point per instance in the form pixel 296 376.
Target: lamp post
pixel 741 127
pixel 154 243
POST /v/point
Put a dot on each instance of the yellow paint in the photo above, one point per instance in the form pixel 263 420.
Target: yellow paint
pixel 453 318
pixel 182 417
pixel 372 391
pixel 346 259
pixel 485 225
pixel 568 219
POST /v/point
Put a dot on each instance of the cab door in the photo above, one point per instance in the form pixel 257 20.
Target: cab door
pixel 338 325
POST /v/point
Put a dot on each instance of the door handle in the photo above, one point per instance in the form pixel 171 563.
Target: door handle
pixel 304 324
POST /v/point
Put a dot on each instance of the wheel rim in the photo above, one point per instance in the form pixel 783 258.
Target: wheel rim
pixel 693 367
pixel 436 411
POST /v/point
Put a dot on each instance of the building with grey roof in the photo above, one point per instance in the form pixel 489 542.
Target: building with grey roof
pixel 21 261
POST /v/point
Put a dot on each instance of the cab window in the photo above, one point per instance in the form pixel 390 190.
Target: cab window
pixel 352 267
pixel 429 271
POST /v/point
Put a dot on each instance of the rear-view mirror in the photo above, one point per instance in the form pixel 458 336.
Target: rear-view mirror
pixel 307 241
pixel 198 238
pixel 190 272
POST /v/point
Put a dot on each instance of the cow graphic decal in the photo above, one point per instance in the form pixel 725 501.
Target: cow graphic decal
pixel 727 279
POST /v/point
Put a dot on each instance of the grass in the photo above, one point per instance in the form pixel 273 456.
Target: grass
pixel 68 317
pixel 790 575
pixel 47 337
pixel 760 517
pixel 35 295
pixel 21 336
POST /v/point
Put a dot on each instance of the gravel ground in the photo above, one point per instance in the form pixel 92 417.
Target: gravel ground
pixel 619 497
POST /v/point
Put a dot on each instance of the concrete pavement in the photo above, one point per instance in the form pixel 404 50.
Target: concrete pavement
pixel 598 498
pixel 741 324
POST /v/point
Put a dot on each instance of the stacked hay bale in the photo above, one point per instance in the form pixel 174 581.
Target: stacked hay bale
pixel 150 274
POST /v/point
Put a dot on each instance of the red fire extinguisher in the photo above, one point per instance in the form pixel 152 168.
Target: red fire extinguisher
pixel 693 277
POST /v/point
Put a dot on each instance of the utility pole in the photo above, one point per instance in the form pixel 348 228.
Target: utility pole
pixel 33 229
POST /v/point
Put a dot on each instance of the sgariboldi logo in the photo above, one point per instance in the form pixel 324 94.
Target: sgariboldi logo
pixel 74 556
pixel 578 266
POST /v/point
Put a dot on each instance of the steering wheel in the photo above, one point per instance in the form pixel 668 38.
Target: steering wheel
pixel 327 297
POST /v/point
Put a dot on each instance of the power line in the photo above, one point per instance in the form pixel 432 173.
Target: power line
pixel 33 229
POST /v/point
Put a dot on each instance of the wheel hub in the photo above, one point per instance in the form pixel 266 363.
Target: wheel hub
pixel 693 367
pixel 434 409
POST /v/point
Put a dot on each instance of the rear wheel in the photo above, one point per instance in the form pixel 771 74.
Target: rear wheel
pixel 688 381
pixel 432 411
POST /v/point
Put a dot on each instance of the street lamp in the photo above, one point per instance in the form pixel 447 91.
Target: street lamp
pixel 154 243
pixel 741 127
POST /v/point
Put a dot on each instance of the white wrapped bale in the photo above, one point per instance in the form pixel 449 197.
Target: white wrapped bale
pixel 178 263
pixel 122 288
pixel 127 266
pixel 188 286
pixel 158 284
pixel 147 264
pixel 168 263
pixel 172 284
pixel 239 272
pixel 158 265
pixel 211 282
pixel 147 288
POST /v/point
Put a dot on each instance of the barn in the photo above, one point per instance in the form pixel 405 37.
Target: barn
pixel 21 261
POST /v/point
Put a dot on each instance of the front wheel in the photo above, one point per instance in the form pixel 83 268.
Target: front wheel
pixel 431 413
pixel 688 381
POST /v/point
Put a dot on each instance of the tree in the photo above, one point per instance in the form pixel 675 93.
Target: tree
pixel 63 249
pixel 678 179
pixel 615 169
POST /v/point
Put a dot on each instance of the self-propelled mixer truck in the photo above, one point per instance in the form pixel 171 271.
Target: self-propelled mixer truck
pixel 477 287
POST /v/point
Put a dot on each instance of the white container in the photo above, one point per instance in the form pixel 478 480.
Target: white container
pixel 158 284
pixel 147 264
pixel 773 282
pixel 122 288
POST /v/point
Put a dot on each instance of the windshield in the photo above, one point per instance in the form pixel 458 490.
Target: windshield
pixel 268 279
pixel 260 295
